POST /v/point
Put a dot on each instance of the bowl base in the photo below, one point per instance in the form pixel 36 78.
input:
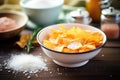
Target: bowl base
pixel 71 65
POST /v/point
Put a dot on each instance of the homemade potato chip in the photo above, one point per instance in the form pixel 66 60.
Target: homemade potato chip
pixel 23 40
pixel 74 45
pixel 73 40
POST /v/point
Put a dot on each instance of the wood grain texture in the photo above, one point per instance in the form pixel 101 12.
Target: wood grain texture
pixel 105 66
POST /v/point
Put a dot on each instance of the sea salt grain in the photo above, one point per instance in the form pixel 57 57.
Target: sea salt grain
pixel 26 63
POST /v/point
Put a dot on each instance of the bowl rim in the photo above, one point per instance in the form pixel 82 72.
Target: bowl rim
pixel 76 53
pixel 23 5
pixel 15 13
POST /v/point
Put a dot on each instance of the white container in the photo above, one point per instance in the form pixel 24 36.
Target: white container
pixel 42 12
pixel 69 59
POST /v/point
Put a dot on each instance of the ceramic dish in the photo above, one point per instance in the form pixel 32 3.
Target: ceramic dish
pixel 19 17
pixel 69 59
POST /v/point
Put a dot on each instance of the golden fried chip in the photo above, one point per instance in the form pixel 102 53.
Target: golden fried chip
pixel 73 40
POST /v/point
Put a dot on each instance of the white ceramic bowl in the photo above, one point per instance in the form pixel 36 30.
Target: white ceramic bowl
pixel 44 15
pixel 69 59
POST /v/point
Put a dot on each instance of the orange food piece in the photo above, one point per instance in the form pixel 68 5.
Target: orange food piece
pixel 48 44
pixel 87 47
pixel 23 41
pixel 67 50
pixel 73 40
pixel 24 38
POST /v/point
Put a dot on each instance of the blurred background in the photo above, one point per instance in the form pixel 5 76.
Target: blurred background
pixel 14 4
pixel 81 3
pixel 69 5
pixel 10 5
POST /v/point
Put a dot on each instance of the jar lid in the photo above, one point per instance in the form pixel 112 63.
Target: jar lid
pixel 79 13
pixel 110 11
pixel 79 16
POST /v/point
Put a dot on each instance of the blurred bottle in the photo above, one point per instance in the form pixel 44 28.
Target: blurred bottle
pixel 94 9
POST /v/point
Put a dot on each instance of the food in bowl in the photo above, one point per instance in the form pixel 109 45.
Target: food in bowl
pixel 69 58
pixel 73 40
pixel 7 24
pixel 12 23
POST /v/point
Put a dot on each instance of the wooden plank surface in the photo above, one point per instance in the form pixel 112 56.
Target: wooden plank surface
pixel 105 66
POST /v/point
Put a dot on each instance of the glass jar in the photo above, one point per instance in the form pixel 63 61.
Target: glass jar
pixel 94 9
pixel 110 23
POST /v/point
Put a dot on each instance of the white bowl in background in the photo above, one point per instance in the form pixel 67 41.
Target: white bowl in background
pixel 42 12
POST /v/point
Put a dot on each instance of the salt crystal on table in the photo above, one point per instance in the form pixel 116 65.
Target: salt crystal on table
pixel 111 30
pixel 26 63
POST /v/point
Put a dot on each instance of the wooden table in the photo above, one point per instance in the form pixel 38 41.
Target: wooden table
pixel 105 66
